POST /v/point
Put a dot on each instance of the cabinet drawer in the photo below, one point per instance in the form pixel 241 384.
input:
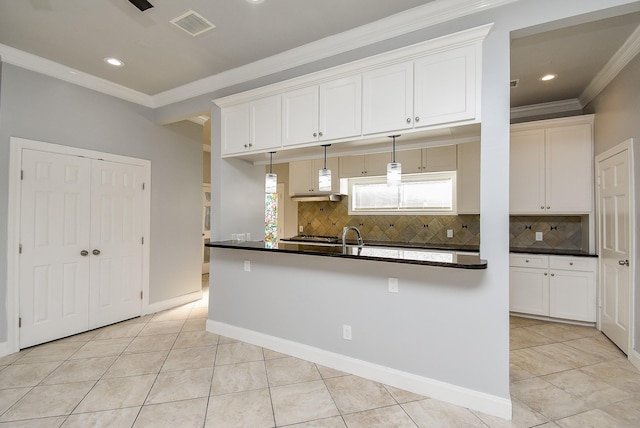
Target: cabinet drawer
pixel 529 260
pixel 584 264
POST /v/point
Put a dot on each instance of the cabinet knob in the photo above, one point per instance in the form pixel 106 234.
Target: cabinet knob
pixel 320 134
pixel 417 119
pixel 84 253
pixel 548 208
pixel 545 274
pixel 408 120
pixel 526 261
pixel 570 263
pixel 96 252
pixel 250 145
pixel 553 274
pixel 315 134
pixel 245 146
pixel 542 207
pixel 365 172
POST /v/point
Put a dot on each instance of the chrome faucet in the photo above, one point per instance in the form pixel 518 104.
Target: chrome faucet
pixel 344 239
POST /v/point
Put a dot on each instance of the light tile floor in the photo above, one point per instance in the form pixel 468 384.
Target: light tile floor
pixel 165 370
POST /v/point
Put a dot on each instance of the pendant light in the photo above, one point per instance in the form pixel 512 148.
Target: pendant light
pixel 324 175
pixel 394 169
pixel 271 179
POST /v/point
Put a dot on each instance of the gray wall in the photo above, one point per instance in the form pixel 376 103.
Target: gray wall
pixel 617 110
pixel 41 108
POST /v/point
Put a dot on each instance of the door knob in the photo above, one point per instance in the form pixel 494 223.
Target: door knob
pixel 623 262
pixel 84 253
pixel 96 252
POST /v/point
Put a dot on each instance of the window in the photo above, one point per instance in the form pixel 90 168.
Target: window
pixel 428 193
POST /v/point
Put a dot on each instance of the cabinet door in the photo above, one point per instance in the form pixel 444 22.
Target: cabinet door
pixel 235 129
pixel 341 108
pixel 352 166
pixel 266 123
pixel 376 164
pixel 387 99
pixel 436 159
pixel 333 164
pixel 527 176
pixel 569 169
pixel 445 89
pixel 572 295
pixel 529 291
pixel 411 160
pixel 300 177
pixel 300 116
pixel 468 178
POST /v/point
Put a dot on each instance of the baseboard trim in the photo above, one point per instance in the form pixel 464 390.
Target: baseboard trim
pixel 5 349
pixel 172 303
pixel 634 358
pixel 475 400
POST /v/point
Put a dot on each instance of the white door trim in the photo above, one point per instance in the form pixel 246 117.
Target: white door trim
pixel 13 241
pixel 625 145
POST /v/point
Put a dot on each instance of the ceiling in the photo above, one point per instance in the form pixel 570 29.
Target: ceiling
pixel 160 57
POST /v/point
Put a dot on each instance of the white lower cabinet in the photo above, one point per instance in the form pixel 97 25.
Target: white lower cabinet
pixel 555 286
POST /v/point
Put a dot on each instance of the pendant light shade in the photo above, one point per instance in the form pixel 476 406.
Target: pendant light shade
pixel 271 179
pixel 324 175
pixel 394 169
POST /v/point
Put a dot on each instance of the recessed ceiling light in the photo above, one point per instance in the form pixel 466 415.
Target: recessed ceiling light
pixel 548 77
pixel 114 61
pixel 254 1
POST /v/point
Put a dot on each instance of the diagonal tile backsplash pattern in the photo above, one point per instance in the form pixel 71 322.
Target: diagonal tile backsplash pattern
pixel 329 218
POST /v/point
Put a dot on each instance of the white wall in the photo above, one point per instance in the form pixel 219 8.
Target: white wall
pixel 41 108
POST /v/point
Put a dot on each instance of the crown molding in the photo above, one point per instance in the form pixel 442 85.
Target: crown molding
pixel 546 108
pixel 50 68
pixel 432 13
pixel 629 49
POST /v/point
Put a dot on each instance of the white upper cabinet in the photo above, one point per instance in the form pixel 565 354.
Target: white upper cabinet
pixel 364 165
pixel 303 176
pixel 326 112
pixel 551 167
pixel 254 126
pixel 387 99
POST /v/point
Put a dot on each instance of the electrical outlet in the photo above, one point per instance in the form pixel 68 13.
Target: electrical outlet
pixel 393 285
pixel 241 237
pixel 301 228
pixel 538 236
pixel 346 332
pixel 449 233
pixel 247 266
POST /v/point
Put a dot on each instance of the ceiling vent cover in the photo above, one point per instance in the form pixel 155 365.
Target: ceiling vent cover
pixel 514 83
pixel 193 23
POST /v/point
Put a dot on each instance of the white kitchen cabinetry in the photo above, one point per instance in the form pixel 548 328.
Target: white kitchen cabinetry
pixel 432 159
pixel 328 111
pixel 437 89
pixel 552 167
pixel 303 176
pixel 468 178
pixel 555 286
pixel 254 126
pixel 364 165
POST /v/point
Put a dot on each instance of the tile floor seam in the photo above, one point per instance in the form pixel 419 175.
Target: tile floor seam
pixel 324 381
pixel 213 373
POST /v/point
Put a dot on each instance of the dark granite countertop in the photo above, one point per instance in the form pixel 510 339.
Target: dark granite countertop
pixel 385 253
pixel 552 252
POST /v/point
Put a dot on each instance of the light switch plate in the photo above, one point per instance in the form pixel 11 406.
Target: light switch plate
pixel 449 233
pixel 247 266
pixel 393 285
pixel 301 228
pixel 538 236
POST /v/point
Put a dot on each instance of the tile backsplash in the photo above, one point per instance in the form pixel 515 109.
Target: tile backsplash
pixel 329 218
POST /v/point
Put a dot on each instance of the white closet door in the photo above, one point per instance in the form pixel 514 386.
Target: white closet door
pixel 54 230
pixel 116 242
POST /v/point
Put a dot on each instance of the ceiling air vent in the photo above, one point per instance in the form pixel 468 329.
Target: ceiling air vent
pixel 514 83
pixel 193 23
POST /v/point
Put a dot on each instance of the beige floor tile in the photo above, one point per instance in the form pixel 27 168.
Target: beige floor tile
pixel 8 397
pixel 391 417
pixel 402 396
pixel 224 340
pixel 119 330
pixel 190 358
pixel 12 358
pixel 82 337
pixel 80 370
pixel 538 363
pixel 594 392
pixel 138 320
pixel 232 378
pixel 285 371
pixel 109 394
pixel 271 355
pixel 547 399
pixel 524 338
pixel 333 422
pixel 120 418
pixel 21 375
pixel 54 422
pixel 598 347
pixel 523 322
pixel 160 342
pixel 53 351
pixel 180 385
pixel 199 313
pixel 355 394
pixel 193 339
pixel 434 413
pixel 627 411
pixel 102 348
pixel 593 418
pixel 242 409
pixel 171 315
pixel 517 373
pixel 161 327
pixel 522 417
pixel 182 414
pixel 572 356
pixel 302 402
pixel 238 352
pixel 556 332
pixel 137 364
pixel 328 372
pixel 619 373
pixel 48 400
pixel 198 324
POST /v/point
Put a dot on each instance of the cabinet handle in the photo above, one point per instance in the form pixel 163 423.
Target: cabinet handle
pixel 417 119
pixel 408 120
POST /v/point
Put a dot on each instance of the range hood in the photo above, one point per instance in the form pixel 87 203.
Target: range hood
pixel 315 197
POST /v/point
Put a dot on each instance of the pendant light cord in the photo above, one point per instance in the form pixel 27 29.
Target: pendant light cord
pixel 271 162
pixel 393 153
